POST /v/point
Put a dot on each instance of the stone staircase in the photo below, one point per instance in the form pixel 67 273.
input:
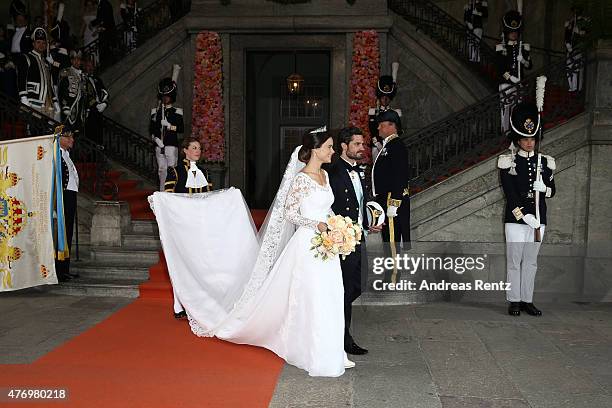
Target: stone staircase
pixel 115 271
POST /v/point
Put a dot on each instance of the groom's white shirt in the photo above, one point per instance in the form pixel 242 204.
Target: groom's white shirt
pixel 358 190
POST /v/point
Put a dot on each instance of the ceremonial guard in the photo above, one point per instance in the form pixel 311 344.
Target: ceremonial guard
pixel 104 23
pixel 166 122
pixel 19 32
pixel 72 93
pixel 97 100
pixel 512 58
pixel 70 183
pixel 474 14
pixel 187 177
pixel 59 44
pixel 386 89
pixel 575 33
pixel 390 186
pixel 16 8
pixel 347 180
pixel 129 14
pixel 527 181
pixel 34 78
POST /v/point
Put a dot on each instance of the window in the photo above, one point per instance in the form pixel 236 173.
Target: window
pixel 306 104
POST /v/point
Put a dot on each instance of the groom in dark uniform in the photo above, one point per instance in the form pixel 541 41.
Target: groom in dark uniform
pixel 346 179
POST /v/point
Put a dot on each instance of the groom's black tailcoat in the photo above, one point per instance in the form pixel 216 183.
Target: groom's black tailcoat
pixel 346 204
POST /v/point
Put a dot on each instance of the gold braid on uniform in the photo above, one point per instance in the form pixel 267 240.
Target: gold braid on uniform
pixel 170 185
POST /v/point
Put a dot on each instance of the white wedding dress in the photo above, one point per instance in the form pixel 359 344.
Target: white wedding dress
pixel 270 292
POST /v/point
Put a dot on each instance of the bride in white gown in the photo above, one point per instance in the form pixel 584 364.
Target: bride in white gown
pixel 271 292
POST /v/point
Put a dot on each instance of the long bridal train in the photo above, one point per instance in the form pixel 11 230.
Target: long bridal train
pixel 265 290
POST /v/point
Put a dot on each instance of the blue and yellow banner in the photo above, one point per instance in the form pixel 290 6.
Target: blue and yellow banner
pixel 26 210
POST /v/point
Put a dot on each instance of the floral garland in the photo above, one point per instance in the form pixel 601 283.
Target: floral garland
pixel 208 120
pixel 364 74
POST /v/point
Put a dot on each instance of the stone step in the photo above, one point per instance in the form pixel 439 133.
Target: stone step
pixel 141 241
pixel 407 297
pixel 119 271
pixel 98 287
pixel 145 227
pixel 112 255
pixel 130 241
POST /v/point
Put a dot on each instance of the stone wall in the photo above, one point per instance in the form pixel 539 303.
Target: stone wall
pixel 432 84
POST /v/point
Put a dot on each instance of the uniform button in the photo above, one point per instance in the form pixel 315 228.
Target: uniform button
pixel 346 190
pixel 347 199
pixel 348 209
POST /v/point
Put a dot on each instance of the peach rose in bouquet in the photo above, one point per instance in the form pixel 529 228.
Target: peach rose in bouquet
pixel 340 238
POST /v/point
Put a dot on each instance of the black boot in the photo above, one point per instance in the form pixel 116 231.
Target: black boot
pixel 514 309
pixel 530 309
pixel 180 315
pixel 354 349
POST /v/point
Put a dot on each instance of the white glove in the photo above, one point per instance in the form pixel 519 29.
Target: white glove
pixel 531 221
pixel 391 211
pixel 159 142
pixel 165 123
pixel 539 185
pixel 101 106
pixel 520 58
pixel 50 59
pixel 470 25
pixel 24 100
pixel 569 47
pixel 514 79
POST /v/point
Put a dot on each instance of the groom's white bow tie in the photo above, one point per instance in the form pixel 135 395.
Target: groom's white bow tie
pixel 195 177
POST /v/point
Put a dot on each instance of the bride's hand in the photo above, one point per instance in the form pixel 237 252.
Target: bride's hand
pixel 322 227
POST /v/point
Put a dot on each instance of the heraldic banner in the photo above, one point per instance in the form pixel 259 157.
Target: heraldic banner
pixel 26 234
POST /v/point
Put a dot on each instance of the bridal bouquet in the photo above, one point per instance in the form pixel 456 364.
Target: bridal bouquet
pixel 340 238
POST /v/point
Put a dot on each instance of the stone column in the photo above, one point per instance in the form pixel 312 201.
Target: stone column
pixel 110 221
pixel 598 260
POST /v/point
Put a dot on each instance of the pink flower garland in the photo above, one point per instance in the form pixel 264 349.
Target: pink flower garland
pixel 208 120
pixel 364 75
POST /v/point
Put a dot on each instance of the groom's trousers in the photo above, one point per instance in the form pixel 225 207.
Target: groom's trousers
pixel 351 278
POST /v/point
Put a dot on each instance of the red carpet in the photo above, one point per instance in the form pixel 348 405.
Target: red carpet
pixel 135 197
pixel 142 357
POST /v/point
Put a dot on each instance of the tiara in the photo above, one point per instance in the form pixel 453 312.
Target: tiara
pixel 322 129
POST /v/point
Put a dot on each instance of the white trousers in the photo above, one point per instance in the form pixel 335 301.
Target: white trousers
pixel 474 45
pixel 506 108
pixel 575 75
pixel 521 261
pixel 164 160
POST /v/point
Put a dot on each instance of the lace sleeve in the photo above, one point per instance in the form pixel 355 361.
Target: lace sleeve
pixel 300 188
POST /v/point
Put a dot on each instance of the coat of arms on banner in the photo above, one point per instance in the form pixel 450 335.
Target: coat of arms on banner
pixel 26 242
